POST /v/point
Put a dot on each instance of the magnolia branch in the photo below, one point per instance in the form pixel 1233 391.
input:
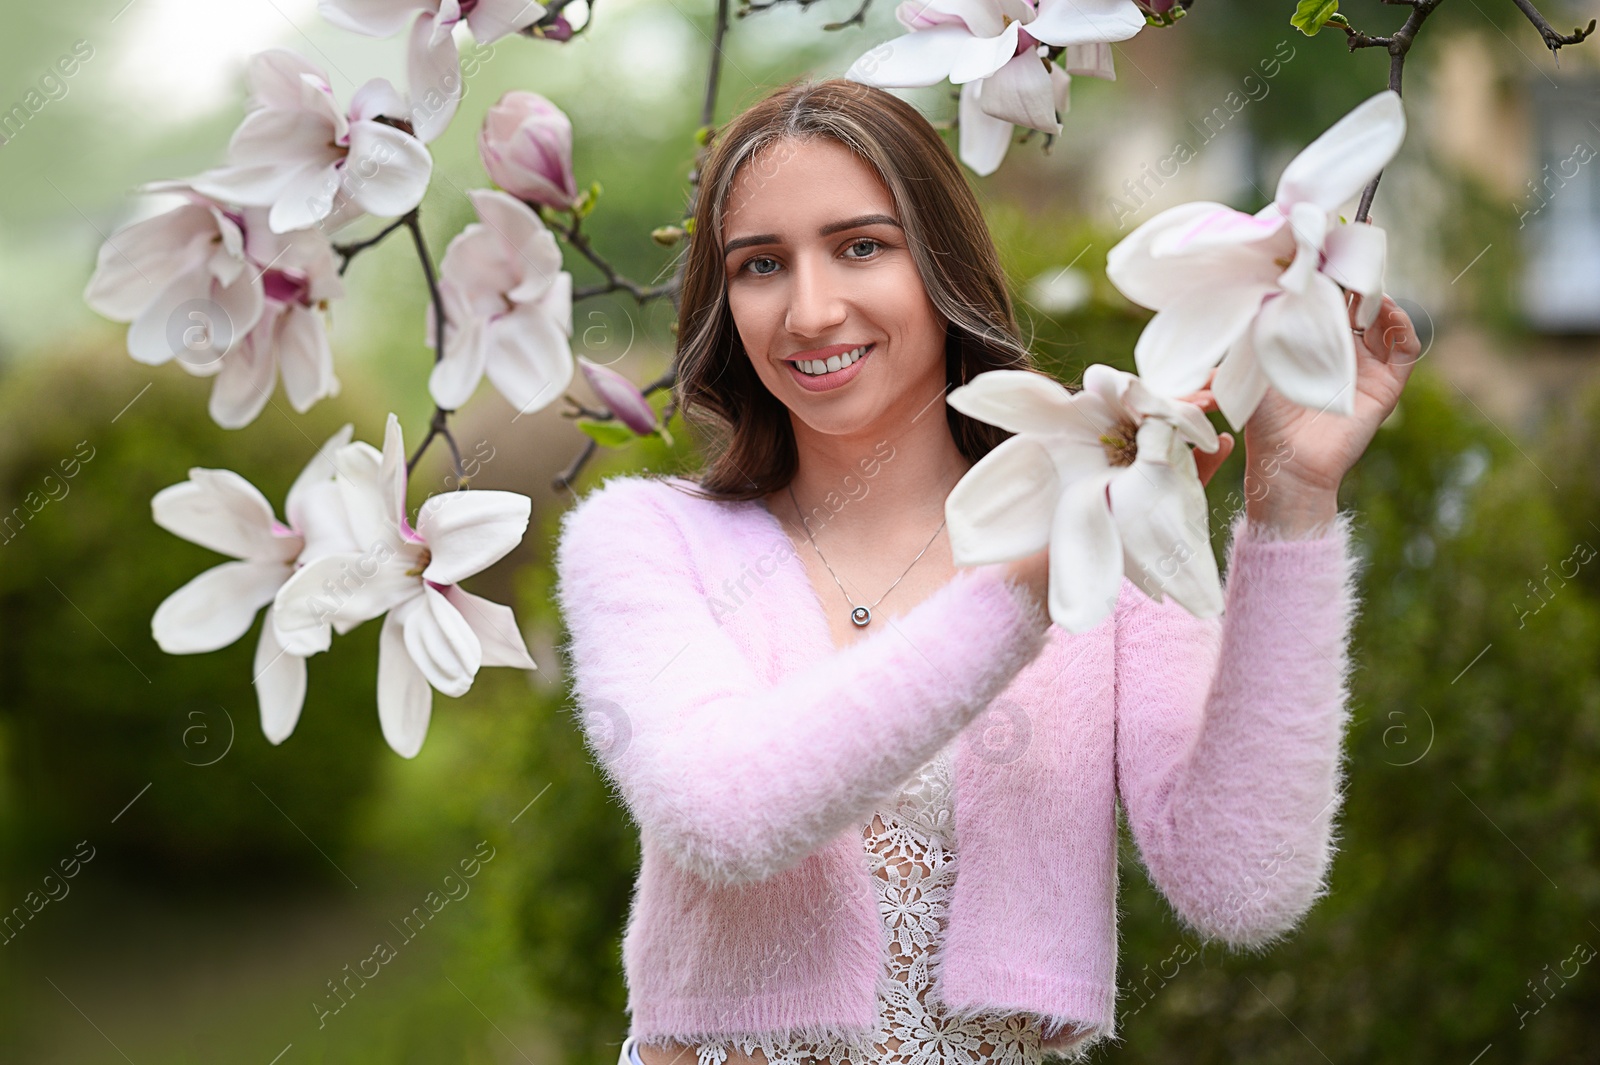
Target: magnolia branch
pixel 439 425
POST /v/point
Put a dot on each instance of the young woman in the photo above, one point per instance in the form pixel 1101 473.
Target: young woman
pixel 815 718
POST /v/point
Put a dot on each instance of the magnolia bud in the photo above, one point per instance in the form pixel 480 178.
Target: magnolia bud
pixel 526 146
pixel 620 395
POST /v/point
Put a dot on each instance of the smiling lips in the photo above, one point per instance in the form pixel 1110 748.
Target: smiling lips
pixel 829 367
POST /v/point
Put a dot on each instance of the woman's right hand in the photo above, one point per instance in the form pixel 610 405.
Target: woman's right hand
pixel 1033 573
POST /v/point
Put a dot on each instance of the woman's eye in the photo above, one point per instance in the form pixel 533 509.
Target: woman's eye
pixel 872 245
pixel 750 264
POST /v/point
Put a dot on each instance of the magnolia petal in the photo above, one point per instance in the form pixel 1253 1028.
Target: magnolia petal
pixel 1336 165
pixel 433 75
pixel 377 96
pixel 1239 384
pixel 1002 507
pixel 1022 93
pixel 276 77
pixel 467 532
pixel 375 18
pixel 280 680
pixel 1305 348
pixel 981 57
pixel 392 473
pixel 535 257
pixel 1154 280
pixel 1023 401
pixel 360 468
pixel 1061 89
pixel 405 700
pixel 1085 556
pixel 913 59
pixel 387 171
pixel 304 358
pixel 244 385
pixel 529 358
pixel 319 471
pixel 307 199
pixel 1356 255
pixel 1187 418
pixel 982 139
pixel 491 20
pixel 479 267
pixel 496 629
pixel 1217 230
pixel 138 260
pixel 220 510
pixel 1085 21
pixel 1181 344
pixel 442 644
pixel 1308 224
pixel 215 608
pixel 177 322
pixel 341 589
pixel 1092 60
pixel 1160 512
pixel 455 377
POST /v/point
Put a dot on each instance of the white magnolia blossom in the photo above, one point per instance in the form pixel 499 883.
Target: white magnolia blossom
pixel 220 510
pixel 994 49
pixel 435 633
pixel 508 309
pixel 433 63
pixel 1262 293
pixel 298 152
pixel 212 286
pixel 1104 477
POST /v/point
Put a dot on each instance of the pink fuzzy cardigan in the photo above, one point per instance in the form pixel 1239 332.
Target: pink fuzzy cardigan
pixel 750 752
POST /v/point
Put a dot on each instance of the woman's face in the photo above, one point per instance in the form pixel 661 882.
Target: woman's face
pixel 817 268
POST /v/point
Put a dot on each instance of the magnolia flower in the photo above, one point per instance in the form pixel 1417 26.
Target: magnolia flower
pixel 526 146
pixel 992 49
pixel 435 633
pixel 1103 476
pixel 220 510
pixel 620 396
pixel 1261 293
pixel 311 162
pixel 508 309
pixel 433 63
pixel 212 286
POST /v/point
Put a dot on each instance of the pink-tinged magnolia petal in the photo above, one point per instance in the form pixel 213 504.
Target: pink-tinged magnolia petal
pixel 1092 60
pixel 467 532
pixel 1187 418
pixel 479 267
pixel 491 20
pixel 277 78
pixel 1356 255
pixel 526 146
pixel 1239 384
pixel 346 589
pixel 220 510
pixel 1304 346
pixel 1002 507
pixel 1336 165
pixel 307 198
pixel 304 358
pixel 280 680
pixel 217 607
pixel 1181 344
pixel 1024 401
pixel 496 629
pixel 535 258
pixel 620 396
pixel 138 260
pixel 1061 89
pixel 284 139
pixel 243 387
pixel 926 14
pixel 1217 230
pixel 982 56
pixel 163 330
pixel 1021 93
pixel 443 645
pixel 1085 22
pixel 375 18
pixel 1308 223
pixel 376 97
pixel 318 473
pixel 433 74
pixel 317 513
pixel 529 358
pixel 983 140
pixel 1085 556
pixel 387 171
pixel 405 701
pixel 455 377
pixel 1152 280
pixel 1160 512
pixel 392 473
pixel 925 57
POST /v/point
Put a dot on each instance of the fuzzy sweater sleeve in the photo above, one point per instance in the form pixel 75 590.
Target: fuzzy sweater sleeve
pixel 735 778
pixel 1229 733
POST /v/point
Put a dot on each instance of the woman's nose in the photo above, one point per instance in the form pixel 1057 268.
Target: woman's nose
pixel 816 302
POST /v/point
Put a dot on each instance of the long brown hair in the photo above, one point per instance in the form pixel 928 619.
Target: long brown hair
pixel 717 389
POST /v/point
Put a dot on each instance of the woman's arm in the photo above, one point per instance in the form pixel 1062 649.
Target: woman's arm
pixel 1229 731
pixel 737 779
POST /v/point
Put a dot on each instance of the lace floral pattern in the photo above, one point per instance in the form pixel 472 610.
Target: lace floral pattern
pixel 911 844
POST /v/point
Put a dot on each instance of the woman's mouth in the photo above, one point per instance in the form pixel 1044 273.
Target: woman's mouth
pixel 822 375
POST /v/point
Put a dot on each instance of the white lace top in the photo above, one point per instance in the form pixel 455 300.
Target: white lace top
pixel 912 847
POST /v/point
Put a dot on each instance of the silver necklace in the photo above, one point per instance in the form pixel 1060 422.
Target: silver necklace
pixel 859 615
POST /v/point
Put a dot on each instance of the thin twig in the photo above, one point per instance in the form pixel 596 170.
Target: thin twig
pixel 346 252
pixel 439 425
pixel 1552 39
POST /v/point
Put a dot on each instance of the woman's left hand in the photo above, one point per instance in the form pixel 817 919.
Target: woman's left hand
pixel 1317 448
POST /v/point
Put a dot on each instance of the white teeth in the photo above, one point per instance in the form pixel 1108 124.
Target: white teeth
pixel 833 363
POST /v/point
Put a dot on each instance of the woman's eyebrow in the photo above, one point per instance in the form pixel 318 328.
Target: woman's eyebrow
pixel 827 230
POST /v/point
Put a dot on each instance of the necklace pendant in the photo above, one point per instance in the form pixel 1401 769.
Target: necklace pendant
pixel 860 615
